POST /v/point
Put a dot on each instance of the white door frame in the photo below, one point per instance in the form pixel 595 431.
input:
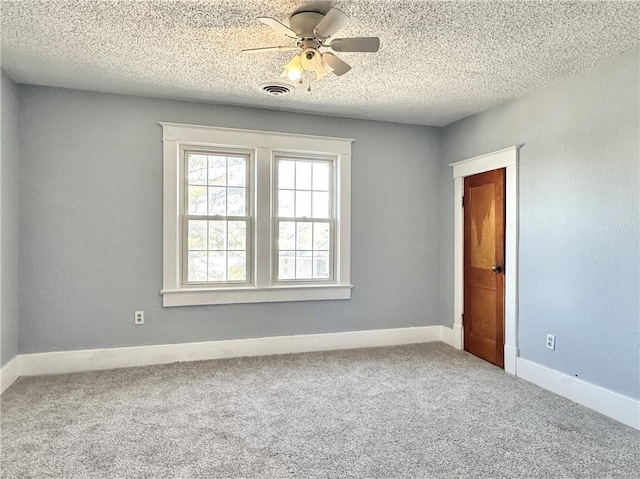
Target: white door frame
pixel 508 159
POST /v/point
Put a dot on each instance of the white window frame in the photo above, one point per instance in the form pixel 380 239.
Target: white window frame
pixel 184 151
pixel 263 147
pixel 330 219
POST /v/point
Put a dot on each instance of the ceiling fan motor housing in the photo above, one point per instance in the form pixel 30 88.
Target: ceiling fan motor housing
pixel 304 23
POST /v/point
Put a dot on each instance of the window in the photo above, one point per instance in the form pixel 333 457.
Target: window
pixel 304 219
pixel 216 218
pixel 253 216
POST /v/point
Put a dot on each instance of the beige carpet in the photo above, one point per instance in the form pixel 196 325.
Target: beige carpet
pixel 422 411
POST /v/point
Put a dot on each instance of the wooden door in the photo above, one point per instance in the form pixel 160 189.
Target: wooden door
pixel 483 321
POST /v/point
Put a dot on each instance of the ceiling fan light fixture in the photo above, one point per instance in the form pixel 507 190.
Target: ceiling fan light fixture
pixel 293 69
pixel 312 62
pixel 294 74
pixel 308 60
pixel 323 69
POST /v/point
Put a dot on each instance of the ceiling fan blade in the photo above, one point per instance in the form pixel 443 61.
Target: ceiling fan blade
pixel 363 44
pixel 338 66
pixel 278 27
pixel 268 49
pixel 333 21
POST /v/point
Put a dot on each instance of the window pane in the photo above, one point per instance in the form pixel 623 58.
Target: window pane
pixel 217 201
pixel 217 170
pixel 303 236
pixel 304 191
pixel 197 235
pixel 197 268
pixel 217 249
pixel 217 266
pixel 197 166
pixel 286 265
pixel 217 235
pixel 197 200
pixel 236 202
pixel 237 235
pixel 303 204
pixel 285 203
pixel 236 172
pixel 320 204
pixel 303 175
pixel 237 266
pixel 321 236
pixel 321 176
pixel 321 265
pixel 303 265
pixel 286 174
pixel 287 235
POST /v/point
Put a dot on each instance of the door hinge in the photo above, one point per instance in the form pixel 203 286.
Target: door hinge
pixel 462 319
pixel 463 201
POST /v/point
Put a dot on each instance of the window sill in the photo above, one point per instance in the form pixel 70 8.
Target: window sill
pixel 239 295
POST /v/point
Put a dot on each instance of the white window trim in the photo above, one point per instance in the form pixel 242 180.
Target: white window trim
pixel 281 282
pixel 183 151
pixel 264 145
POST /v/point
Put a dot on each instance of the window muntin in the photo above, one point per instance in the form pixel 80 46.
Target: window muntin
pixel 216 221
pixel 304 220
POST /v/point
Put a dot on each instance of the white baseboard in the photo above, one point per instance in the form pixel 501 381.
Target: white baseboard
pixel 616 406
pixel 454 337
pixel 447 336
pixel 511 359
pixel 97 359
pixel 9 373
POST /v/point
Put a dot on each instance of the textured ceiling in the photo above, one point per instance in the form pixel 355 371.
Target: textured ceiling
pixel 439 61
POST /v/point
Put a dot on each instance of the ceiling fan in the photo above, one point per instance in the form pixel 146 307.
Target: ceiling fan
pixel 311 32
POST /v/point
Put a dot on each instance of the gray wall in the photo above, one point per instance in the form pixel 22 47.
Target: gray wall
pixel 91 225
pixel 579 219
pixel 8 219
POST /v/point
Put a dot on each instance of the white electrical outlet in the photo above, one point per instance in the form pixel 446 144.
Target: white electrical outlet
pixel 138 318
pixel 551 342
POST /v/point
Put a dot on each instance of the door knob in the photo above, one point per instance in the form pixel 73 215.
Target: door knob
pixel 496 268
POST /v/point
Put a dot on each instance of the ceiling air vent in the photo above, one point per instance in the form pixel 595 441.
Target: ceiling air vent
pixel 276 89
